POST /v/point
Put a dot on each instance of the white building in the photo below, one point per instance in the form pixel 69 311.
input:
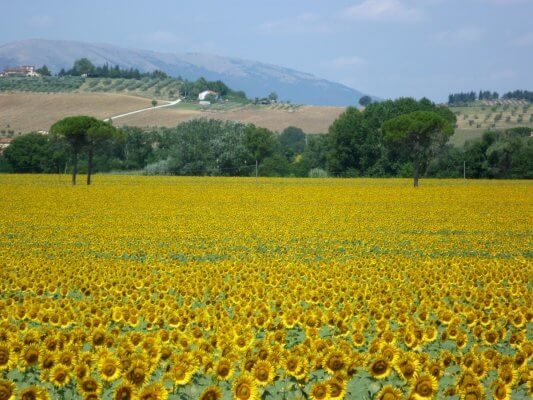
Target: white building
pixel 23 70
pixel 203 96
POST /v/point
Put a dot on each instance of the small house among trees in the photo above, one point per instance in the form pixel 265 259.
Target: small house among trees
pixel 23 70
pixel 207 96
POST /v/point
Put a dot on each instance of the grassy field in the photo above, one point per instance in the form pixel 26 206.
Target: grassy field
pixel 24 112
pixel 473 120
pixel 219 288
pixel 312 119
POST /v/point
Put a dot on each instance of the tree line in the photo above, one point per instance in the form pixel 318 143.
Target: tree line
pixel 399 138
pixel 468 97
pixel 188 89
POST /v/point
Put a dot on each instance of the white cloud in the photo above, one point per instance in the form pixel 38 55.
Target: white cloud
pixel 461 35
pixel 40 21
pixel 524 40
pixel 383 10
pixel 300 24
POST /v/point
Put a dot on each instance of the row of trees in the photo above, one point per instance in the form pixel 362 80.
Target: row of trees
pixel 468 97
pixel 188 89
pixel 84 66
pixel 519 95
pixel 404 137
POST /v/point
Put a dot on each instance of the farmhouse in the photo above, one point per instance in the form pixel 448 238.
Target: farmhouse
pixel 203 96
pixel 23 70
pixel 4 143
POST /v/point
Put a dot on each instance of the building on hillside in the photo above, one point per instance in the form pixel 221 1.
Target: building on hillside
pixel 23 70
pixel 4 143
pixel 206 94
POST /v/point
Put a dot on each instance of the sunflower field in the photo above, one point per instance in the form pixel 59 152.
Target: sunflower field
pixel 231 288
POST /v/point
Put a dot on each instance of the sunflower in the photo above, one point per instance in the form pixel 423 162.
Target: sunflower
pixel 181 373
pixel 390 353
pixel 479 367
pixel 295 367
pixel 224 369
pixel 34 393
pixel 507 375
pixel 244 388
pixel 319 391
pixel 379 368
pixel 126 391
pixel 500 391
pixel 30 355
pixel 436 369
pixel 407 367
pixel 59 375
pixel 337 387
pixel 334 361
pixel 89 385
pixel 155 391
pixel 7 358
pixel 263 373
pixel 109 368
pixel 389 392
pixel 424 387
pixel 473 392
pixel 138 373
pixel 211 393
pixel 358 339
pixel 7 390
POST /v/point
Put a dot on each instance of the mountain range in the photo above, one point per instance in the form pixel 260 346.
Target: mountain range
pixel 255 78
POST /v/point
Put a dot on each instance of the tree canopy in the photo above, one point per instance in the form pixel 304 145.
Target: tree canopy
pixel 418 135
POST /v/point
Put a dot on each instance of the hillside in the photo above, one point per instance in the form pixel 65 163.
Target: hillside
pixel 24 112
pixel 255 78
pixel 480 116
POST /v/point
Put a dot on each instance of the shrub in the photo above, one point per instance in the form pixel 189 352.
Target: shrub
pixel 161 167
pixel 318 173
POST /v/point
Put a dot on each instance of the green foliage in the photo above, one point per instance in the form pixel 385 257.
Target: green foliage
pixel 365 101
pixel 292 139
pixel 35 153
pixel 418 136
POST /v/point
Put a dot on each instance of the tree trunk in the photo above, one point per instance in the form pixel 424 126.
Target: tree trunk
pixel 415 176
pixel 90 164
pixel 74 168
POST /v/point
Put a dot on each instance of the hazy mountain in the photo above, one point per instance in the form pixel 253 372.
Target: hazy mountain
pixel 255 78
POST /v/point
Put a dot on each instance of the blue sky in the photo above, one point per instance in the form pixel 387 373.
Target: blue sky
pixel 388 48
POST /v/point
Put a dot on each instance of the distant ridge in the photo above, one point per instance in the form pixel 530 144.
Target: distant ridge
pixel 255 78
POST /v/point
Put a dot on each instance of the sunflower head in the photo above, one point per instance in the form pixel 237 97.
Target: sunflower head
pixel 34 393
pixel 7 390
pixel 224 369
pixel 155 391
pixel 126 391
pixel 319 391
pixel 89 385
pixel 379 368
pixel 334 362
pixel 425 387
pixel 500 391
pixel 389 392
pixel 263 372
pixel 244 388
pixel 59 375
pixel 211 393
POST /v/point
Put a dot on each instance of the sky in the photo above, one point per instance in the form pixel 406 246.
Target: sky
pixel 386 48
